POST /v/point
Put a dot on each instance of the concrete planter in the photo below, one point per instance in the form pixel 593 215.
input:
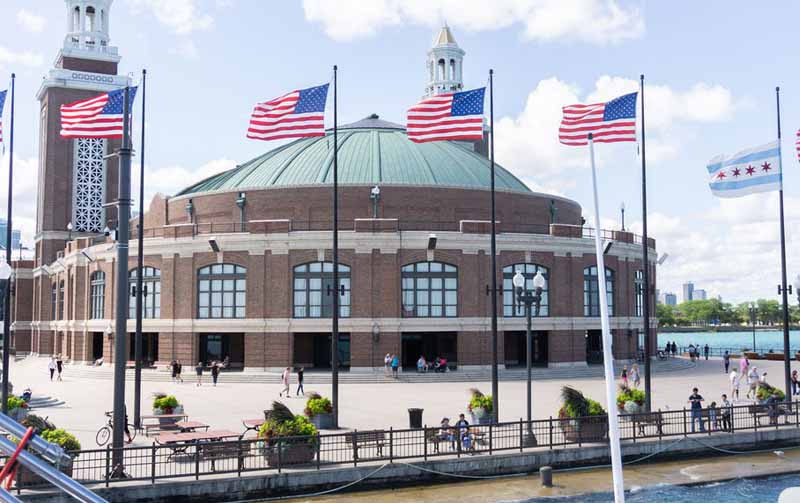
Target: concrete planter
pixel 481 416
pixel 290 454
pixel 588 429
pixel 166 421
pixel 18 414
pixel 322 421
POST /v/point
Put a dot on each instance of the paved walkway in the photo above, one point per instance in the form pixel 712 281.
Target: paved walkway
pixel 362 405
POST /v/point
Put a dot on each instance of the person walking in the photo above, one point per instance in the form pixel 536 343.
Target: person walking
pixel 178 370
pixel 726 361
pixel 727 413
pixel 395 366
pixel 52 366
pixel 199 370
pixel 215 372
pixel 674 349
pixel 287 374
pixel 635 375
pixel 735 383
pixel 696 399
pixel 625 376
pixel 300 381
pixel 744 365
pixel 752 382
pixel 795 383
pixel 387 364
pixel 706 350
pixel 59 365
pixel 173 366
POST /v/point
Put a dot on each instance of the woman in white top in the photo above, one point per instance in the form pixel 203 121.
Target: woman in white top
pixel 734 376
pixel 752 382
pixel 52 367
pixel 636 378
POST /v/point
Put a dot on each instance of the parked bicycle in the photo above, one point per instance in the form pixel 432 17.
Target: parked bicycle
pixel 104 433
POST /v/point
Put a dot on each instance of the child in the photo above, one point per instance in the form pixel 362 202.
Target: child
pixel 712 415
pixel 625 376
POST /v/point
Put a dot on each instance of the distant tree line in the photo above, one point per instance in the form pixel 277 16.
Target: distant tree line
pixel 714 312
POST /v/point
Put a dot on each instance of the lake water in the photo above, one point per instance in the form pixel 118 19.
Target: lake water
pixel 765 340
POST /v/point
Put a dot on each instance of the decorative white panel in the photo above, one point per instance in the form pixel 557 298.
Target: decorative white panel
pixel 88 187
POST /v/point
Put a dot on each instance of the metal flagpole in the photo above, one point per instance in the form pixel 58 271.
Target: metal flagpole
pixel 645 266
pixel 137 383
pixel 493 271
pixel 608 354
pixel 7 292
pixel 121 284
pixel 787 369
pixel 335 293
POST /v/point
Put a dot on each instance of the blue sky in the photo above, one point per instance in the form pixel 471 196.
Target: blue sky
pixel 712 66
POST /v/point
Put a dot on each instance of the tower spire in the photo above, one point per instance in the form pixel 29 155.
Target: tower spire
pixel 445 61
pixel 87 30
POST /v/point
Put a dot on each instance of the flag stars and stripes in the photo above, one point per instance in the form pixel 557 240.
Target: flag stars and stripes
pixel 97 117
pixel 614 121
pixel 298 114
pixel 450 116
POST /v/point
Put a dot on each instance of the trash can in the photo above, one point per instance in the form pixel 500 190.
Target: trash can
pixel 415 418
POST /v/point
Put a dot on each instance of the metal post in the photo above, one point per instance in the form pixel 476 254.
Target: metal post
pixel 137 351
pixel 335 330
pixel 787 366
pixel 753 322
pixel 493 270
pixel 645 268
pixel 528 362
pixel 7 292
pixel 123 217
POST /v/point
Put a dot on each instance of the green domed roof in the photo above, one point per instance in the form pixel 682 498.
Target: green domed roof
pixel 371 152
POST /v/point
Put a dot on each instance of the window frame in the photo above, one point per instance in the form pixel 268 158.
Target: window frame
pixel 411 275
pixel 591 297
pixel 638 293
pixel 510 294
pixel 151 293
pixel 237 274
pixel 97 295
pixel 302 274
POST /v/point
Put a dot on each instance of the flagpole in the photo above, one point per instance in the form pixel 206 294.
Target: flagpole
pixel 608 355
pixel 645 265
pixel 493 272
pixel 137 383
pixel 335 293
pixel 7 292
pixel 787 369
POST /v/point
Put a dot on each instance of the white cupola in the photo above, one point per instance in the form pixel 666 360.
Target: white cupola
pixel 444 64
pixel 87 28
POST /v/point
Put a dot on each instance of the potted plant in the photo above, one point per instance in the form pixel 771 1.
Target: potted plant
pixel 765 391
pixel 287 439
pixel 319 410
pixel 480 407
pixel 630 400
pixel 17 408
pixel 166 404
pixel 581 419
pixel 58 436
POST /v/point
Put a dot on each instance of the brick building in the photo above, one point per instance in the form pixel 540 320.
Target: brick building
pixel 239 264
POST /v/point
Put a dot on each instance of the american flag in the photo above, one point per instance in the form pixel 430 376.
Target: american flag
pixel 98 117
pixel 298 114
pixel 451 116
pixel 2 102
pixel 608 122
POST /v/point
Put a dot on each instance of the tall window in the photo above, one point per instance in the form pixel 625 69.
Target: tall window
pixel 591 292
pixel 60 307
pixel 88 192
pixel 54 300
pixel 221 291
pixel 430 290
pixel 98 295
pixel 314 290
pixel 151 293
pixel 638 286
pixel 513 308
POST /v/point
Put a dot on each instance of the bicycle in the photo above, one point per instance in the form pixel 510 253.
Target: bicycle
pixel 104 433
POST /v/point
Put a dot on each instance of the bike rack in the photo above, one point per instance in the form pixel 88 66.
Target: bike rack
pixel 50 452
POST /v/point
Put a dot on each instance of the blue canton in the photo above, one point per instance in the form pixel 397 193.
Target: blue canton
pixel 2 101
pixel 623 107
pixel 115 100
pixel 312 100
pixel 468 102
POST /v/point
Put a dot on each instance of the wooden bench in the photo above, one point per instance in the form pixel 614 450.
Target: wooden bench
pixel 376 438
pixel 150 423
pixel 251 425
pixel 643 419
pixel 191 426
pixel 436 437
pixel 763 410
pixel 223 450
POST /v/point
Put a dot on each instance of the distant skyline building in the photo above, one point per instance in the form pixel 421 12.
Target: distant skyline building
pixel 670 299
pixel 699 294
pixel 688 291
pixel 16 235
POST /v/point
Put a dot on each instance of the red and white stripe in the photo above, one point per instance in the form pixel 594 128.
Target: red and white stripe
pixel 82 119
pixel 580 120
pixel 797 144
pixel 275 119
pixel 432 120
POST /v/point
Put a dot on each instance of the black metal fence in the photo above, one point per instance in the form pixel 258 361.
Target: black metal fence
pixel 738 351
pixel 194 460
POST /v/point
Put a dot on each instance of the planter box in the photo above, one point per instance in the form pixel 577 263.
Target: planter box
pixel 322 421
pixel 18 414
pixel 751 356
pixel 290 454
pixel 775 356
pixel 481 416
pixel 26 478
pixel 585 429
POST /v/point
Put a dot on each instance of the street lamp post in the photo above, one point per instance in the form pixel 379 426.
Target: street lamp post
pixel 524 296
pixel 753 311
pixel 622 210
pixel 797 288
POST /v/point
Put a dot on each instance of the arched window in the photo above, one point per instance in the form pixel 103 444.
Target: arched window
pixel 151 293
pixel 513 308
pixel 98 295
pixel 430 290
pixel 76 19
pixel 314 290
pixel 54 300
pixel 60 314
pixel 591 292
pixel 442 70
pixel 90 21
pixel 221 291
pixel 452 69
pixel 638 288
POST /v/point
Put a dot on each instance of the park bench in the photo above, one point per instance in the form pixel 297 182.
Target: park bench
pixel 644 419
pixel 434 436
pixel 375 438
pixel 162 422
pixel 759 411
pixel 213 451
pixel 191 426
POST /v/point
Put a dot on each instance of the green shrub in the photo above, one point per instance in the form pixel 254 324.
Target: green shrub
pixel 575 404
pixel 67 441
pixel 165 402
pixel 15 402
pixel 630 395
pixel 479 401
pixel 318 405
pixel 282 423
pixel 765 391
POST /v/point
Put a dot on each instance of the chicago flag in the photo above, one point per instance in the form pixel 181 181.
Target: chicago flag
pixel 750 171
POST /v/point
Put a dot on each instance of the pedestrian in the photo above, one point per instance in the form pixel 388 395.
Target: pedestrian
pixel 735 382
pixel 300 381
pixel 726 361
pixel 462 428
pixel 387 364
pixel 173 365
pixel 625 376
pixel 795 384
pixel 635 375
pixel 727 409
pixel 752 382
pixel 674 349
pixel 59 365
pixel 691 352
pixel 744 365
pixel 697 409
pixel 52 366
pixel 706 350
pixel 287 374
pixel 395 365
pixel 178 370
pixel 199 370
pixel 214 372
pixel 712 416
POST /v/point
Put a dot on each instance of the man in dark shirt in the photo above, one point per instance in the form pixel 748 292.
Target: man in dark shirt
pixel 726 360
pixel 697 409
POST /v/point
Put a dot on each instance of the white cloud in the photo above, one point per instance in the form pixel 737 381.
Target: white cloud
pixel 30 21
pixel 185 48
pixel 24 58
pixel 25 183
pixel 592 21
pixel 181 16
pixel 171 179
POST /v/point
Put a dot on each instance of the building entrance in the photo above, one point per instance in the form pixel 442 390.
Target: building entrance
pixel 149 348
pixel 516 345
pixel 313 350
pixel 97 346
pixel 429 345
pixel 594 346
pixel 215 347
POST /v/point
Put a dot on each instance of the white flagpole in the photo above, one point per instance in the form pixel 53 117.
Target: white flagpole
pixel 608 355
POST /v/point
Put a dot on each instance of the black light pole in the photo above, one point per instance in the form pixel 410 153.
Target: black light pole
pixel 622 210
pixel 493 270
pixel 524 296
pixel 7 290
pixel 121 284
pixel 784 289
pixel 137 350
pixel 645 266
pixel 753 312
pixel 335 334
